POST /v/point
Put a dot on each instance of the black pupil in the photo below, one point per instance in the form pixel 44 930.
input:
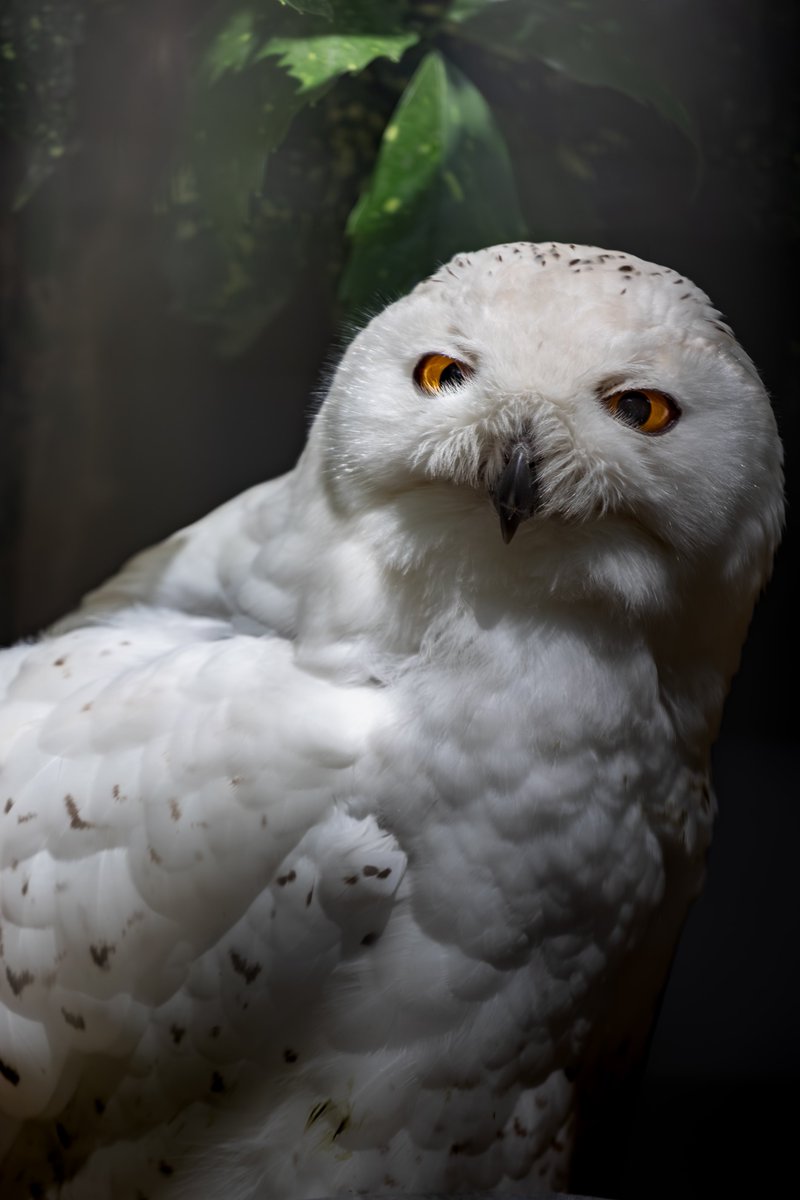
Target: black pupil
pixel 634 407
pixel 451 376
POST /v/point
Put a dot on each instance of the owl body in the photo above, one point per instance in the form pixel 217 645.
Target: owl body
pixel 347 842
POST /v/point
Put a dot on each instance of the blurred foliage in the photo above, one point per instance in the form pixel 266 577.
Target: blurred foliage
pixel 372 139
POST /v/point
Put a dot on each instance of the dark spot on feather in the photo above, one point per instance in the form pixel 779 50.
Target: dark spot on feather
pixel 369 939
pixel 59 662
pixel 115 791
pixel 368 870
pixel 25 887
pixel 351 879
pixel 264 821
pixel 166 1168
pixel 624 290
pixel 154 855
pixel 18 982
pixel 76 1020
pixel 86 707
pixel 519 1128
pixel 625 268
pixel 316 1112
pixel 242 967
pixel 340 1128
pixel 573 262
pixel 175 809
pixel 9 805
pixel 75 821
pixel 62 1135
pixel 385 873
pixel 284 879
pixel 99 1106
pixel 101 954
pixel 556 1144
pixel 25 817
pixel 36 1190
pixel 309 896
pixel 459 1147
pixel 177 1032
pixel 9 1073
pixel 289 1056
pixel 214 1031
pixel 217 1082
pixel 236 780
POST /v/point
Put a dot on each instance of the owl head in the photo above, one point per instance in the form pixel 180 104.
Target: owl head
pixel 561 413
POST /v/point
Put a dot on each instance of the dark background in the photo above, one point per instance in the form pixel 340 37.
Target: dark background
pixel 121 421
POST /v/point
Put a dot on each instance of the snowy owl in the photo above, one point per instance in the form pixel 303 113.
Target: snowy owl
pixel 347 834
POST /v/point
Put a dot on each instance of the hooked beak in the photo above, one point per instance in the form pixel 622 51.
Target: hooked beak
pixel 515 493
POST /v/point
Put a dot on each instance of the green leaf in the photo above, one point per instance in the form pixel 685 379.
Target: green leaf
pixel 596 42
pixel 317 8
pixel 442 183
pixel 316 60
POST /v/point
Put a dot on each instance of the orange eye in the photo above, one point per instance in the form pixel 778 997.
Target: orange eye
pixel 644 409
pixel 434 372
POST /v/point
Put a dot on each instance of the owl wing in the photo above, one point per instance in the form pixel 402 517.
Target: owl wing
pixel 175 877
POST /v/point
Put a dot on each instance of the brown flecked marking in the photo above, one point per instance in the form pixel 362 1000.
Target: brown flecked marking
pixel 23 818
pixel 18 981
pixel 385 873
pixel 60 661
pixel 76 1020
pixel 351 879
pixel 236 780
pixel 87 707
pixel 288 878
pixel 309 897
pixel 242 967
pixel 8 805
pixel 154 855
pixel 369 870
pixel 8 1072
pixel 625 268
pixel 25 887
pixel 166 1168
pixel 115 791
pixel 177 1032
pixel 175 809
pixel 101 955
pixel 289 1056
pixel 217 1082
pixel 519 1128
pixel 75 819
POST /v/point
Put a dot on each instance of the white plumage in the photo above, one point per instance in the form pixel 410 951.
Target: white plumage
pixel 344 847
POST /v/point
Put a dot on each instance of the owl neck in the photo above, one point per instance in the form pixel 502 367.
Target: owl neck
pixel 425 573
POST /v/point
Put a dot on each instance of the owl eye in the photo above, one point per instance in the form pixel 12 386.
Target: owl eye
pixel 434 372
pixel 644 409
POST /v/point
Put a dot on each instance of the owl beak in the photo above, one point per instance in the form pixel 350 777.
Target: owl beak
pixel 515 493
